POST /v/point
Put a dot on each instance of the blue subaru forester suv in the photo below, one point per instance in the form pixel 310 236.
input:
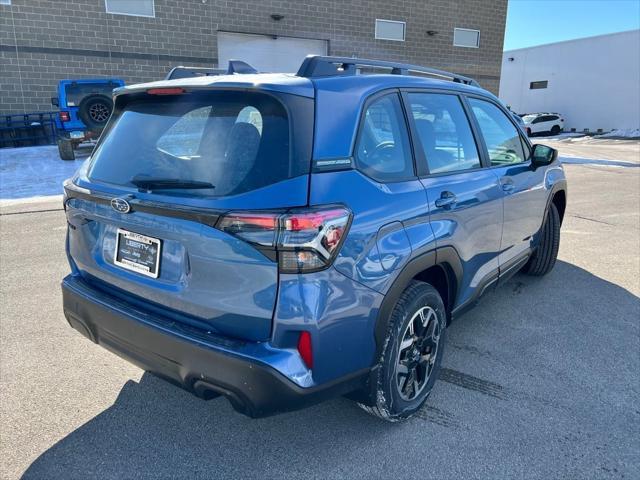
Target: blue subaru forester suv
pixel 279 239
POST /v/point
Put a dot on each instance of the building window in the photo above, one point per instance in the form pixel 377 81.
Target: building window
pixel 136 8
pixel 537 85
pixel 464 37
pixel 5 2
pixel 390 30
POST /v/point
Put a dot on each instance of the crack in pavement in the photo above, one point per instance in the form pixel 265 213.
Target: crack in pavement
pixel 591 219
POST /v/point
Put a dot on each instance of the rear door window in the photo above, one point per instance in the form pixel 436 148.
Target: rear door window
pixel 234 142
pixel 500 134
pixel 444 132
pixel 383 152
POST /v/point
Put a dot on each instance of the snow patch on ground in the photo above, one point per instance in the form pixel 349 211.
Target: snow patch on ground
pixel 568 159
pixel 621 133
pixel 35 171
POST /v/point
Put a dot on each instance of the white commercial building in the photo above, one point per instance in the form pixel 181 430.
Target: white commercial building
pixel 593 82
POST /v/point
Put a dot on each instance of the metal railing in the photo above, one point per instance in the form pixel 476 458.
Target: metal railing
pixel 28 129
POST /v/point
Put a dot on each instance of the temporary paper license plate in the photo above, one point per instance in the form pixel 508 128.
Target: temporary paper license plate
pixel 137 253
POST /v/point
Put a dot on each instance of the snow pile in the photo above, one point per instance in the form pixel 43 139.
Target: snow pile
pixel 621 133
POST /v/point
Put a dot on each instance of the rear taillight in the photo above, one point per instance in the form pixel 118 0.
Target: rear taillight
pixel 305 240
pixel 309 240
pixel 64 116
pixel 258 228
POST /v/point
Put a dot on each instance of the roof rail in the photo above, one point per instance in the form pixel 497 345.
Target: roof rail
pixel 188 72
pixel 235 66
pixel 238 66
pixel 317 66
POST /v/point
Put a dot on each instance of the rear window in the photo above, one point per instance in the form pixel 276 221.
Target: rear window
pixel 224 143
pixel 76 92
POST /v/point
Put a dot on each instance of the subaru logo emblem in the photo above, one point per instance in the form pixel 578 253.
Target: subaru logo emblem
pixel 120 205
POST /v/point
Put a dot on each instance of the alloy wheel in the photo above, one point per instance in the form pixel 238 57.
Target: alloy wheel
pixel 99 112
pixel 417 353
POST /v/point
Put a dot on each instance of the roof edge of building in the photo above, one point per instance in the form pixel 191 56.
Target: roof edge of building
pixel 504 52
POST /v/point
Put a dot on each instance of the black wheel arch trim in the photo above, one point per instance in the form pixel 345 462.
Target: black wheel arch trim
pixel 560 185
pixel 445 257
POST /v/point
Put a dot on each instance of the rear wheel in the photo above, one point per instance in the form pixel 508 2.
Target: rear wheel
pixel 410 361
pixel 65 149
pixel 544 258
pixel 555 130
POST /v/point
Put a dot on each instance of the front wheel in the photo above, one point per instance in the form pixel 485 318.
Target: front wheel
pixel 555 130
pixel 410 360
pixel 544 258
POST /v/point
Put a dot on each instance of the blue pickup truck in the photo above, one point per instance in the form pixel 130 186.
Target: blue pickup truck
pixel 85 106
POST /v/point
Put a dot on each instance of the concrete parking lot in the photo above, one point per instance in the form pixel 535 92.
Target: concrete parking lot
pixel 540 380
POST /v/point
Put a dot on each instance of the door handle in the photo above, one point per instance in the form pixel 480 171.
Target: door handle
pixel 507 185
pixel 447 199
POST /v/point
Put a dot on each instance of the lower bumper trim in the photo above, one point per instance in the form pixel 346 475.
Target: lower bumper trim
pixel 253 388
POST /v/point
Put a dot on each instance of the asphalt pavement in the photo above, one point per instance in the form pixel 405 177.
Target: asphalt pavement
pixel 541 380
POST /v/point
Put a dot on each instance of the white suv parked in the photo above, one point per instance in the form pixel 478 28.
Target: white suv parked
pixel 552 123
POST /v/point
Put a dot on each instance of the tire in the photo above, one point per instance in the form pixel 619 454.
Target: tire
pixel 555 130
pixel 397 398
pixel 65 149
pixel 544 258
pixel 95 110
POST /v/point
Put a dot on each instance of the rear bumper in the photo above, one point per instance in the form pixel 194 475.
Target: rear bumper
pixel 200 366
pixel 65 133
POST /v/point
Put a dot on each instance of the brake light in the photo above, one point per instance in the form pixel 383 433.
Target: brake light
pixel 304 348
pixel 305 240
pixel 166 91
pixel 64 116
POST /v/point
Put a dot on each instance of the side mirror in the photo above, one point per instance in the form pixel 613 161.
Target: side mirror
pixel 55 102
pixel 542 155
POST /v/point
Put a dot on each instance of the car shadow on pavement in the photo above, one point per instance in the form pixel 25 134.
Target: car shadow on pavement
pixel 154 429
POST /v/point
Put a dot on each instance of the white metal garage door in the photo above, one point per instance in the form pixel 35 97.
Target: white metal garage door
pixel 265 53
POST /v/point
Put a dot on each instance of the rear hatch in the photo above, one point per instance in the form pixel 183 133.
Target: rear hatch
pixel 144 213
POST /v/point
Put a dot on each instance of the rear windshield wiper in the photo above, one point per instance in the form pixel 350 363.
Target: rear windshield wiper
pixel 149 183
